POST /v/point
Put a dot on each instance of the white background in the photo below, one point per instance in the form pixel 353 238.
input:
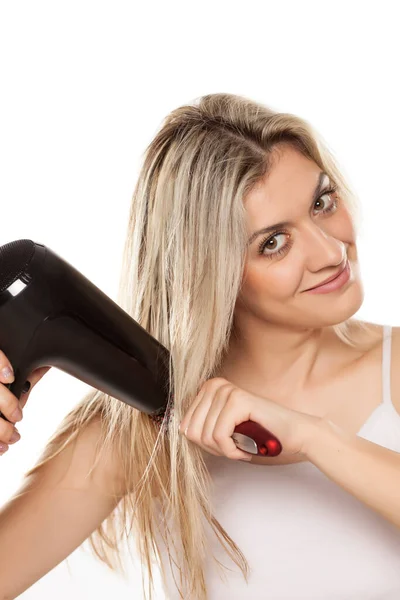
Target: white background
pixel 84 87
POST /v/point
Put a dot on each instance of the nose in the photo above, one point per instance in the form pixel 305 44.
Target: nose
pixel 324 248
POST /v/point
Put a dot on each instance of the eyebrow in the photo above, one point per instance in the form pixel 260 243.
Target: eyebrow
pixel 316 193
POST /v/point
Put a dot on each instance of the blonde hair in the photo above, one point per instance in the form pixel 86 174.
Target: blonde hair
pixel 182 269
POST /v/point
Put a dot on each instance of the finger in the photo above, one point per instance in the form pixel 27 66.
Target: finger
pixel 193 423
pixel 10 406
pixel 7 431
pixel 188 424
pixel 223 430
pixel 195 428
pixel 3 448
pixel 6 370
pixel 211 385
pixel 217 402
pixel 185 423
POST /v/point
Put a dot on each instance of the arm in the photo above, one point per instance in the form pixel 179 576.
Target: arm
pixel 58 509
pixel 368 471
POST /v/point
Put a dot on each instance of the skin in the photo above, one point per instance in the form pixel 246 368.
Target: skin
pixel 9 402
pixel 283 344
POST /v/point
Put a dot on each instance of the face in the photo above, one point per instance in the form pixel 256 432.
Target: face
pixel 284 262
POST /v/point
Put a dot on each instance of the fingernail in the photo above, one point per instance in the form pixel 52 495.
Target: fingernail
pixel 15 437
pixel 7 373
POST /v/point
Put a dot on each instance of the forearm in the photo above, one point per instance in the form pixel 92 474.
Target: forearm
pixel 371 473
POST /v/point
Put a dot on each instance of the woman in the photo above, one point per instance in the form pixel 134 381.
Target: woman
pixel 234 303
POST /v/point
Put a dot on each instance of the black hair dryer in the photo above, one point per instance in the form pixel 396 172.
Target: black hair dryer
pixel 51 315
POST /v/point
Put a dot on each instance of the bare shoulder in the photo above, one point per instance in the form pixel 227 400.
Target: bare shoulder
pixel 394 368
pixel 376 331
pixel 78 466
pixel 366 334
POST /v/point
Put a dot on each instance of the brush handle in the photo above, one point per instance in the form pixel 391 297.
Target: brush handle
pixel 255 439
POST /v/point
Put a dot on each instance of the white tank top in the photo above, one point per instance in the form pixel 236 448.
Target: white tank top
pixel 303 536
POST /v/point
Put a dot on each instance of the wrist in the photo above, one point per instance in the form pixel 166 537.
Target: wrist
pixel 314 429
pixel 320 433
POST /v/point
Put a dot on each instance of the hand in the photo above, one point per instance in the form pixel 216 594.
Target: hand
pixel 220 406
pixel 9 402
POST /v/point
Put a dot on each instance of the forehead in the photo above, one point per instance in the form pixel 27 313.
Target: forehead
pixel 290 180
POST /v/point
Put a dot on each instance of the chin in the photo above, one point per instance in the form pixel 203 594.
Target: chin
pixel 344 307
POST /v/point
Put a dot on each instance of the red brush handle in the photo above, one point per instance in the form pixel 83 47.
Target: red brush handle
pixel 251 437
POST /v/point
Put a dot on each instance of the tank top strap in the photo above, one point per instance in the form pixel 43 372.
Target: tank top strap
pixel 386 360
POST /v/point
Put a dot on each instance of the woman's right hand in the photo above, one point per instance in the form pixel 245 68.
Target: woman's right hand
pixel 10 406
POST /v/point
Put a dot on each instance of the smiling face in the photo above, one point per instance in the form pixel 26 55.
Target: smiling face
pixel 291 258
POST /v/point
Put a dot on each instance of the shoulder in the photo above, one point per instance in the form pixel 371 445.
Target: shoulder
pixel 395 339
pixel 366 334
pixel 394 360
pixel 394 368
pixel 374 337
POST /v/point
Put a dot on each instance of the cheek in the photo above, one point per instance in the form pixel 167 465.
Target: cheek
pixel 278 280
pixel 342 227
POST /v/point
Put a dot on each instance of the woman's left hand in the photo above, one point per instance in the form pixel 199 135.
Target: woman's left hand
pixel 220 406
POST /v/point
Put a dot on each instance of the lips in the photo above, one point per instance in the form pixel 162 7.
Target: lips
pixel 329 278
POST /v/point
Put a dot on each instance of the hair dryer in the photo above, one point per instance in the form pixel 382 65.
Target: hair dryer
pixel 51 315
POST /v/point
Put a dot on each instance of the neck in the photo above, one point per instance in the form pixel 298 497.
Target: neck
pixel 285 361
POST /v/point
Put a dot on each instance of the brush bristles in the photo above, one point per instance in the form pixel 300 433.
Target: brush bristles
pixel 158 417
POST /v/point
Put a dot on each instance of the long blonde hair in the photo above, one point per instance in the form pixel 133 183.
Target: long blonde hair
pixel 182 269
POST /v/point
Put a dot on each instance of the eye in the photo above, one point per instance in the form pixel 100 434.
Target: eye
pixel 329 192
pixel 266 241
